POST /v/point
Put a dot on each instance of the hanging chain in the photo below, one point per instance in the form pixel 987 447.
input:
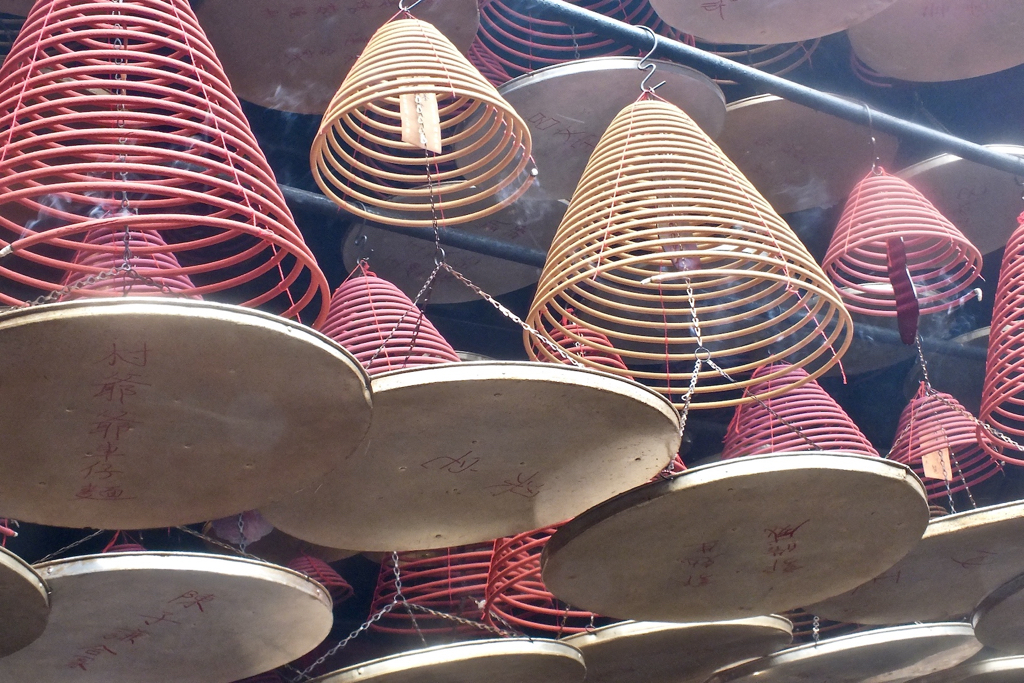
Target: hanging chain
pixel 816 630
pixel 71 545
pixel 219 543
pixel 242 542
pixel 701 355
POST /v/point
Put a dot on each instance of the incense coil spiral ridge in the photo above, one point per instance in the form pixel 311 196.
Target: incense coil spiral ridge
pixel 487 63
pixel 452 582
pixel 942 263
pixel 516 594
pixel 118 116
pixel 592 348
pixel 804 407
pixel 774 59
pixel 659 205
pixel 359 159
pixel 522 43
pixel 378 324
pixel 321 572
pixel 934 420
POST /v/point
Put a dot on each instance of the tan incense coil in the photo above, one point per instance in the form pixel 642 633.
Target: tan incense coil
pixel 360 161
pixel 660 204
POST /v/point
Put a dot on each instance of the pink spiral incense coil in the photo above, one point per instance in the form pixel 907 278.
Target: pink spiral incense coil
pixel 589 347
pixel 932 421
pixel 516 595
pixel 1002 398
pixel 487 63
pixel 452 582
pixel 118 116
pixel 942 263
pixel 321 572
pixel 368 312
pixel 809 408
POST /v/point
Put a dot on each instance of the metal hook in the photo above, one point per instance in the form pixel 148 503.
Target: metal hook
pixel 876 161
pixel 402 7
pixel 646 65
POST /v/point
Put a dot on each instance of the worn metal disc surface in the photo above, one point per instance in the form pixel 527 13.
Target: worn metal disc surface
pixel 467 452
pixel 765 23
pixel 999 618
pixel 170 617
pixel 928 41
pixel 141 413
pixel 569 106
pixel 890 655
pixel 511 660
pixel 961 559
pixel 656 652
pixel 24 603
pixel 738 538
pixel 531 221
pixel 998 670
pixel 982 202
pixel 796 157
pixel 292 55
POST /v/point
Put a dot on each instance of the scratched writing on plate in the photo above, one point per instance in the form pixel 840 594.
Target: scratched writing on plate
pixel 782 547
pixel 563 132
pixel 697 564
pixel 716 6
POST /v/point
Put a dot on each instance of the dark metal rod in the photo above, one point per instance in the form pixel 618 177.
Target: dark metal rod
pixel 460 239
pixel 794 92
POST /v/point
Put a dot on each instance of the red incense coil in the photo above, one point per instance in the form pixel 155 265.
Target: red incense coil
pixel 934 420
pixel 821 421
pixel 453 582
pixel 368 312
pixel 775 59
pixel 516 595
pixel 487 63
pixel 321 572
pixel 943 264
pixel 118 116
pixel 589 347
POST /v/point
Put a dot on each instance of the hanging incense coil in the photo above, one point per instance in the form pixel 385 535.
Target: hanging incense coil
pixel 942 263
pixel 360 161
pixel 660 205
pixel 774 59
pixel 868 75
pixel 805 418
pixel 452 582
pixel 487 63
pixel 321 572
pixel 592 348
pixel 932 421
pixel 378 324
pixel 118 116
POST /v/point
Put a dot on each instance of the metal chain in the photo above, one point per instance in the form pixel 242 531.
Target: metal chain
pixel 71 545
pixel 465 622
pixel 816 630
pixel 219 543
pixel 242 543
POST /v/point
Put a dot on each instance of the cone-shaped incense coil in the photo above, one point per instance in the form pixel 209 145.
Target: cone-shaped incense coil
pixel 942 263
pixel 452 581
pixel 360 161
pixel 324 574
pixel 516 594
pixel 368 313
pixel 660 205
pixel 487 63
pixel 931 422
pixel 118 116
pixel 1002 398
pixel 523 43
pixel 596 351
pixel 808 408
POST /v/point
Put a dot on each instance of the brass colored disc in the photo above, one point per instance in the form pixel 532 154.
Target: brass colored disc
pixel 466 452
pixel 890 655
pixel 999 618
pixel 654 652
pixel 796 157
pixel 738 538
pixel 511 660
pixel 928 41
pixel 292 55
pixel 137 413
pixel 569 106
pixel 999 670
pixel 170 617
pixel 982 202
pixel 765 23
pixel 961 558
pixel 24 603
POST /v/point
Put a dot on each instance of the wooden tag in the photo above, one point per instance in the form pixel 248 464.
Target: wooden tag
pixel 421 122
pixel 936 464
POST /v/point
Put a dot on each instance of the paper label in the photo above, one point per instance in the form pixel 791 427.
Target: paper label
pixel 421 121
pixel 936 464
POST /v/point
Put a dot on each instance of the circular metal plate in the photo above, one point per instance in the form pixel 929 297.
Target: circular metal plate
pixel 890 655
pixel 467 452
pixel 982 202
pixel 796 157
pixel 928 41
pixel 141 413
pixel 569 106
pixel 24 603
pixel 765 23
pixel 1001 670
pixel 961 559
pixel 737 538
pixel 292 55
pixel 653 652
pixel 170 617
pixel 512 660
pixel 999 619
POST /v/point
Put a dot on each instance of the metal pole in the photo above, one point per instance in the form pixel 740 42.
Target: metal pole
pixel 794 92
